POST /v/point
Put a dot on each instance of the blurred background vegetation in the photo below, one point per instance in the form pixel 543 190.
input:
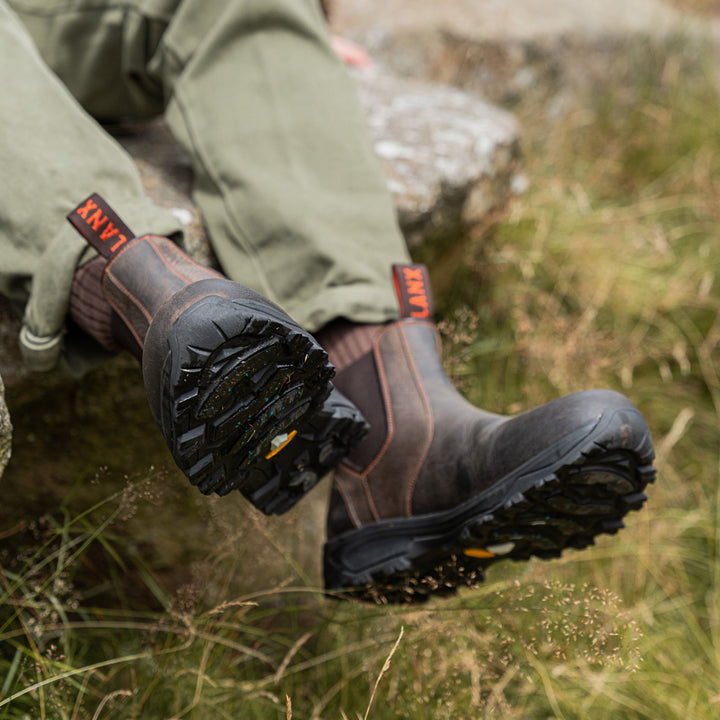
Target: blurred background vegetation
pixel 125 595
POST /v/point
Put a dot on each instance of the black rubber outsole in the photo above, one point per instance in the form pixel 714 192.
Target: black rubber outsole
pixel 246 404
pixel 586 493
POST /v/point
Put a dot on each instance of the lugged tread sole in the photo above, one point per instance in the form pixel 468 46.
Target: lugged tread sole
pixel 323 439
pixel 246 404
pixel 586 494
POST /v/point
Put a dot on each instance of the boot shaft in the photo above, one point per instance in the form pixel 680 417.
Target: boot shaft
pixel 146 275
pixel 141 273
pixel 442 489
pixel 429 449
pixel 241 393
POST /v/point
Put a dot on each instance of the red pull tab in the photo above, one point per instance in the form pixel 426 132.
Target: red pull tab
pixel 98 223
pixel 412 285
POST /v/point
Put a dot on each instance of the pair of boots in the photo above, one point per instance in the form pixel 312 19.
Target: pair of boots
pixel 428 490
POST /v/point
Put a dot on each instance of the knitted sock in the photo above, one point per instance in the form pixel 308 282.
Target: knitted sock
pixel 90 310
pixel 345 341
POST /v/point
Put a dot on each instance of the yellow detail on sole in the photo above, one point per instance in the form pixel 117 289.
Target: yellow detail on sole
pixel 478 553
pixel 280 442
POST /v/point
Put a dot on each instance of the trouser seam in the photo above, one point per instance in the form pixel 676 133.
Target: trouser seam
pixel 238 231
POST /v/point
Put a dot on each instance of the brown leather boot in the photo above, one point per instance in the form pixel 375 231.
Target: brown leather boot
pixel 439 489
pixel 241 393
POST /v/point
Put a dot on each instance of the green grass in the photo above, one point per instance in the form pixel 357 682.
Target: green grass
pixel 125 596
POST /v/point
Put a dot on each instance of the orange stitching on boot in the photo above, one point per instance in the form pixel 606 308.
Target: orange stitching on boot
pixel 132 298
pixel 431 422
pixel 389 418
pixel 120 242
pixel 175 272
pixel 206 268
pixel 347 496
pixel 185 257
pixel 129 295
pixel 132 241
pixel 369 497
pixel 128 324
pixel 396 338
pixel 200 265
pixel 386 401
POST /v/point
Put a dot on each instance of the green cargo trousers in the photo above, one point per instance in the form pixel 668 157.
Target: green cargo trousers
pixel 285 177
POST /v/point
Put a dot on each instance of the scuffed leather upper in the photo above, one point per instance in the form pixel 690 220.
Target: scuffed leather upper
pixel 429 449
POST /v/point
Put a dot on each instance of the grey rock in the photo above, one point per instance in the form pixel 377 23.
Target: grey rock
pixel 504 20
pixel 450 158
pixel 5 430
pixel 541 50
pixel 11 365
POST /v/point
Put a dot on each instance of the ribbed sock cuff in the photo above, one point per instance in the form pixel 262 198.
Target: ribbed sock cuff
pixel 89 308
pixel 345 341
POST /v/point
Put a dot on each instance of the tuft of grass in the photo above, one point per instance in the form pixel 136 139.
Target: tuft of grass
pixel 607 274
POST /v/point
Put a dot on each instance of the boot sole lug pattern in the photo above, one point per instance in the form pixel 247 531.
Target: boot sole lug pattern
pixel 586 493
pixel 238 375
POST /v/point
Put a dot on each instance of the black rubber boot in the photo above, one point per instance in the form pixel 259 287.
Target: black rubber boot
pixel 241 393
pixel 440 490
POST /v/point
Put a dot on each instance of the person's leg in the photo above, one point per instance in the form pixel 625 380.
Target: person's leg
pixel 439 489
pixel 52 154
pixel 285 175
pixel 289 188
pixel 239 390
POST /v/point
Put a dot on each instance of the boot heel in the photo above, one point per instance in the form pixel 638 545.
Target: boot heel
pixel 244 404
pixel 241 393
